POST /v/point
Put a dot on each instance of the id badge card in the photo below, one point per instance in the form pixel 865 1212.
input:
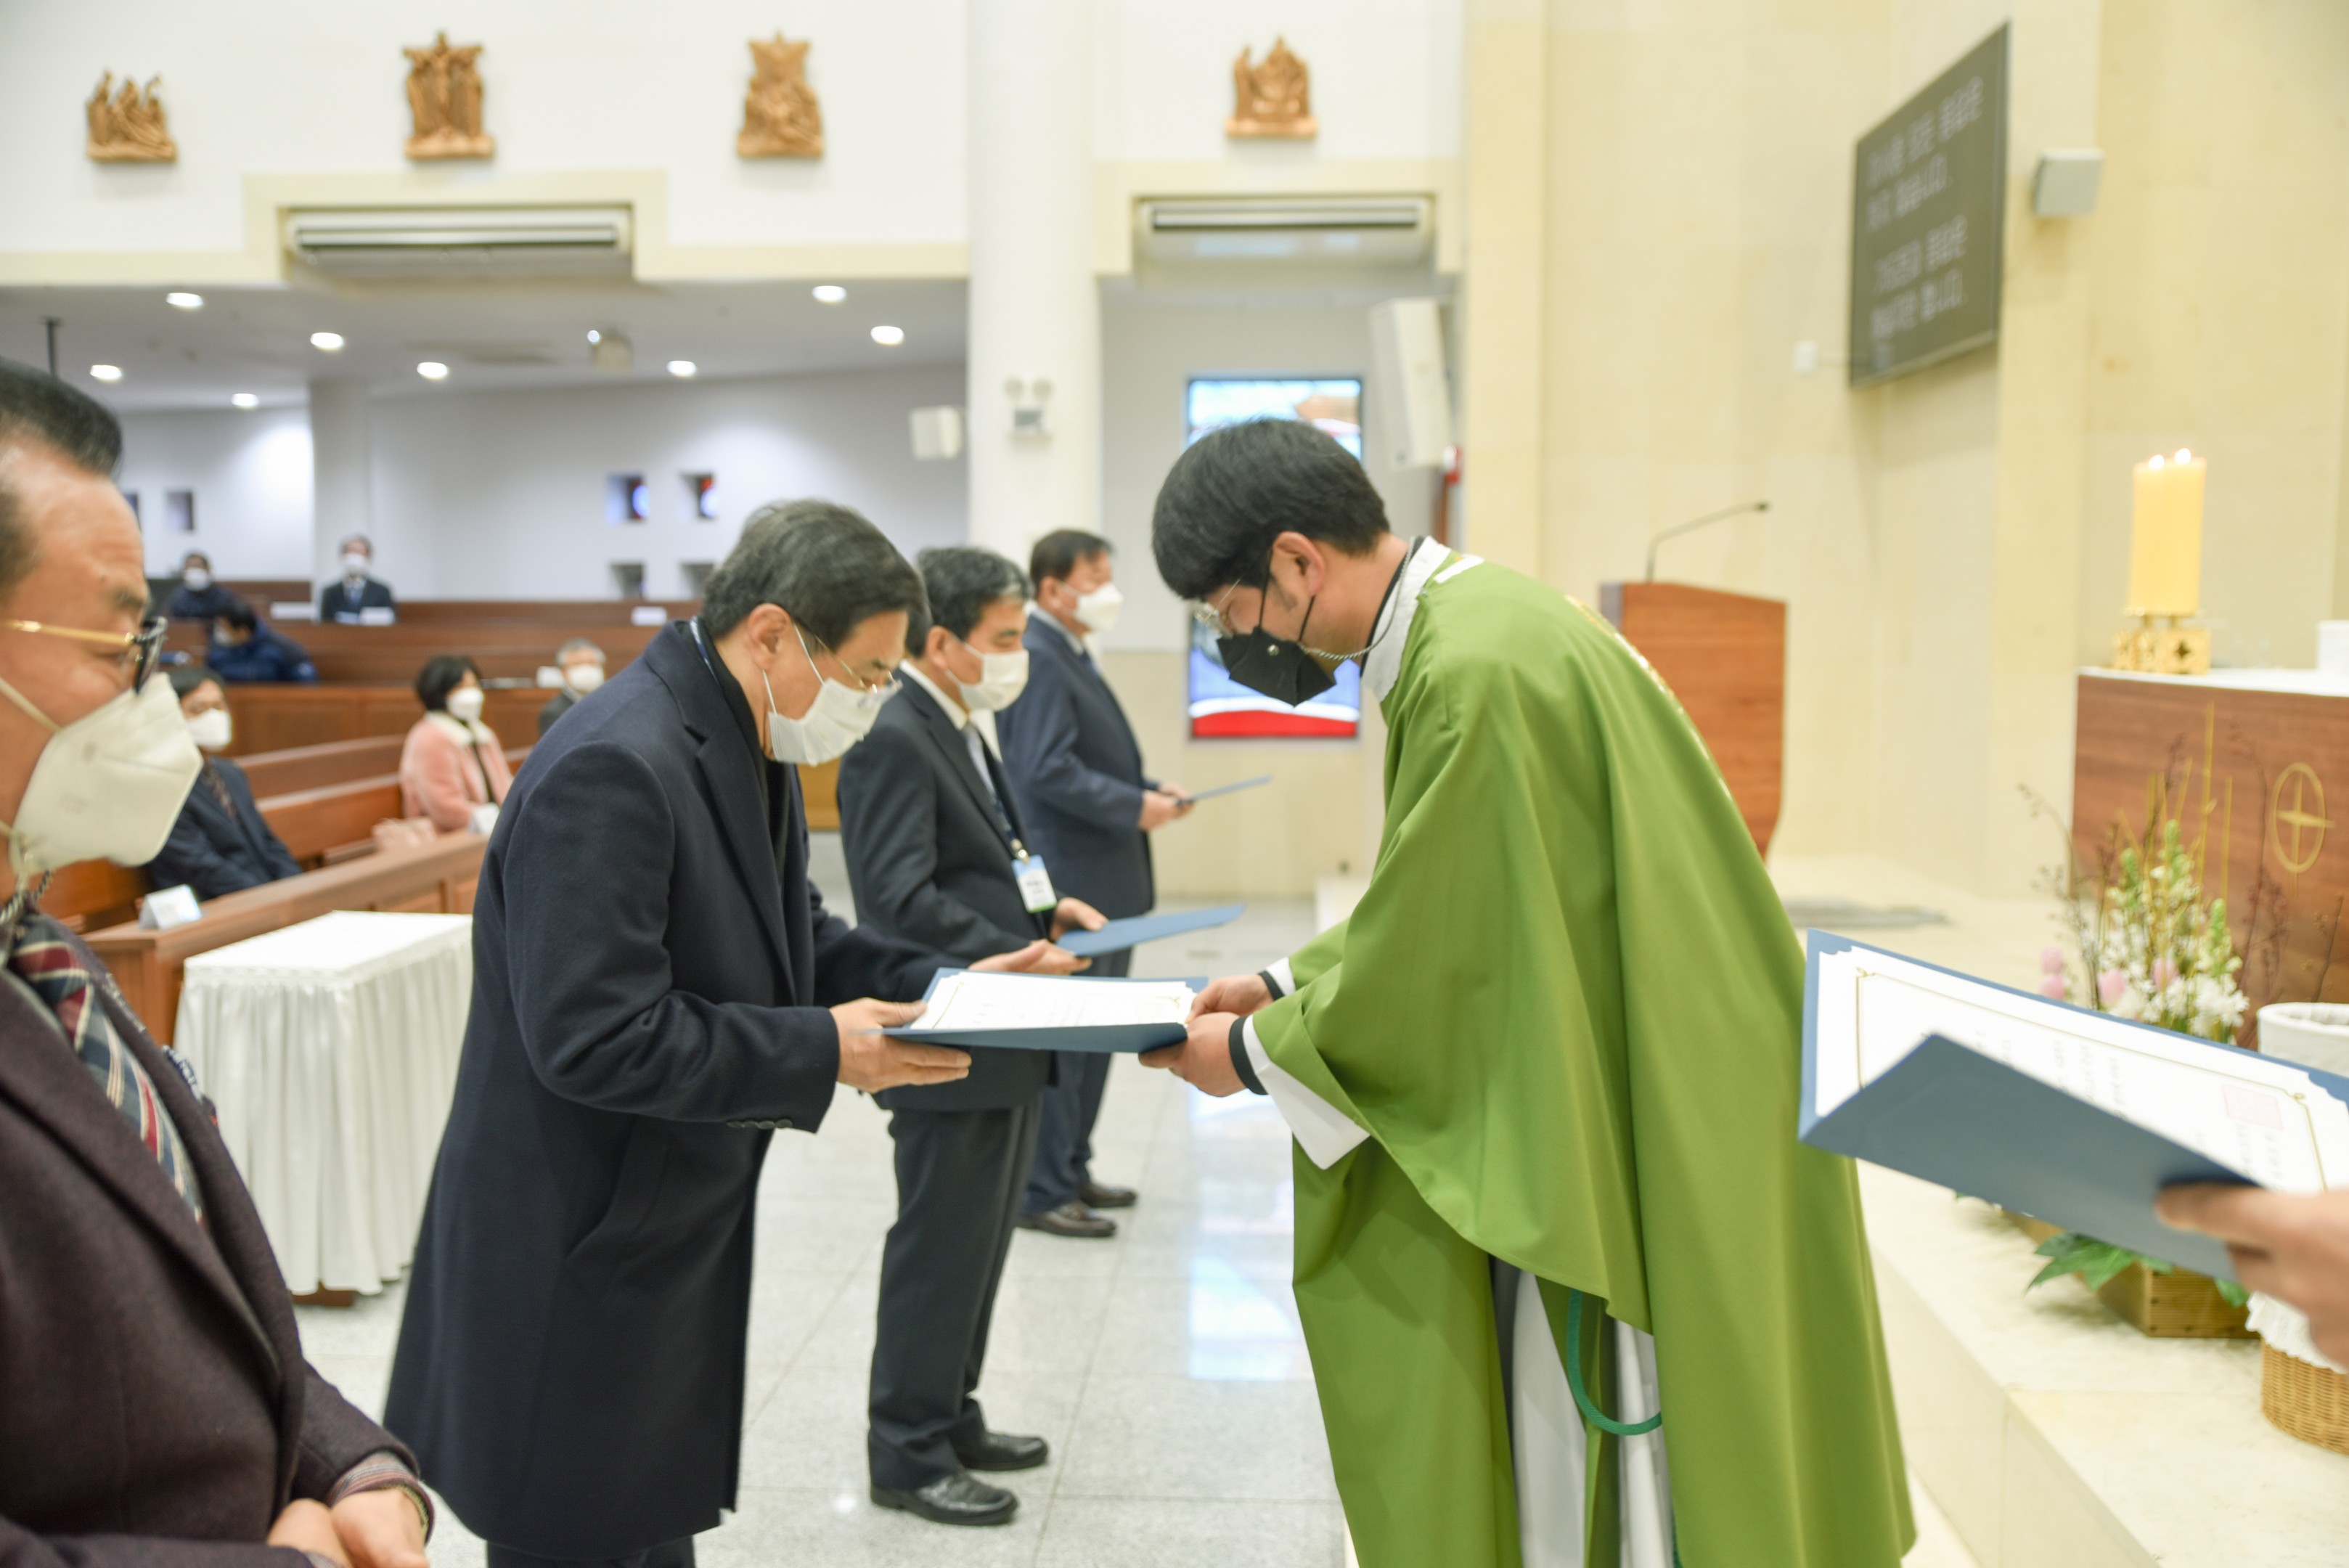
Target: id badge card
pixel 1035 884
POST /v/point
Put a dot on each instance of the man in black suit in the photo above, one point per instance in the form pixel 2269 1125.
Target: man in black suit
pixel 222 843
pixel 1078 776
pixel 652 974
pixel 357 589
pixel 937 854
pixel 154 1404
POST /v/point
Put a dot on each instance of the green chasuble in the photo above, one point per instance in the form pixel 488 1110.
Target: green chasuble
pixel 1568 1013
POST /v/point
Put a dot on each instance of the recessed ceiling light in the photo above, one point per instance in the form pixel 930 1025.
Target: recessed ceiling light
pixel 888 337
pixel 594 336
pixel 185 301
pixel 107 372
pixel 245 401
pixel 433 370
pixel 830 293
pixel 329 341
pixel 682 367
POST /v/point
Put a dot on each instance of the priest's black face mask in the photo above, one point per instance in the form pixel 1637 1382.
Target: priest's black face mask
pixel 1278 667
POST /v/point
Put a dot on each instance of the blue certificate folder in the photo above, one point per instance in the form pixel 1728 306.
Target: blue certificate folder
pixel 1952 1117
pixel 1119 935
pixel 1102 1037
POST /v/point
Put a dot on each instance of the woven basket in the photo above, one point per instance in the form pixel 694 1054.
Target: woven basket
pixel 2304 1401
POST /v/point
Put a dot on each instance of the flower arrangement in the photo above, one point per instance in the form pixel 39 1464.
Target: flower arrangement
pixel 2150 948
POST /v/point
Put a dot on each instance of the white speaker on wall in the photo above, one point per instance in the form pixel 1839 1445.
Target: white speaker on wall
pixel 1408 379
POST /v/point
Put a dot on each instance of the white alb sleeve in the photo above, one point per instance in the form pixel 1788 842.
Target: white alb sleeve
pixel 1324 1132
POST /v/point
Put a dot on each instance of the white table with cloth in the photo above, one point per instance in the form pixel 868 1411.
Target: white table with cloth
pixel 330 1050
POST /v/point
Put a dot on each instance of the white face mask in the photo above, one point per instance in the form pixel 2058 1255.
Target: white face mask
pixel 197 578
pixel 583 678
pixel 355 565
pixel 465 703
pixel 1002 678
pixel 211 729
pixel 1098 609
pixel 109 785
pixel 838 718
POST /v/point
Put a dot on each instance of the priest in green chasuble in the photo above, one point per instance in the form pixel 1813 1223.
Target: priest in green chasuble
pixel 1574 1293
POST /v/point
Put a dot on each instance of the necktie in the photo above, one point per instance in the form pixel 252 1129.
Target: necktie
pixel 50 965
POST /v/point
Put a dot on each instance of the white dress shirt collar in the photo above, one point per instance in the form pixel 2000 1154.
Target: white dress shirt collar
pixel 1382 666
pixel 956 714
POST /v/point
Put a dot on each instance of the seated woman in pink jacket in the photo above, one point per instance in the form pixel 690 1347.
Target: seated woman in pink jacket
pixel 452 765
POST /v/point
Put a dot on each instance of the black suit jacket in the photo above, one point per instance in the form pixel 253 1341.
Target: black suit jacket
pixel 650 969
pixel 1078 774
pixel 217 848
pixel 155 1410
pixel 335 602
pixel 930 863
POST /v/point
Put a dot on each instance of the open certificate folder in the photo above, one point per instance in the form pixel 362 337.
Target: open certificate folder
pixel 1050 1012
pixel 2074 1118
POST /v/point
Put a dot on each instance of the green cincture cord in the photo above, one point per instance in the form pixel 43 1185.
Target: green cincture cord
pixel 1590 1411
pixel 1589 1406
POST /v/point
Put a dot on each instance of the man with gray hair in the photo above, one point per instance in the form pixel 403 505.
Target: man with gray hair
pixel 658 989
pixel 582 663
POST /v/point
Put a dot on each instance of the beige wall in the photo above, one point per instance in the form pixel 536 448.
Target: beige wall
pixel 1951 545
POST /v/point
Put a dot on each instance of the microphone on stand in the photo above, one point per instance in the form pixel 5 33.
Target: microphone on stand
pixel 1694 523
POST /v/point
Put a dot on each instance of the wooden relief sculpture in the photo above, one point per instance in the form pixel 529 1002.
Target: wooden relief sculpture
pixel 780 116
pixel 1274 99
pixel 444 95
pixel 127 127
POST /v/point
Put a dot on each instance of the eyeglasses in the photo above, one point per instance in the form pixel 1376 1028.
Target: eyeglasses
pixel 886 685
pixel 138 651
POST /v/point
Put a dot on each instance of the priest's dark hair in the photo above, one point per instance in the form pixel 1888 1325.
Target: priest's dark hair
pixel 440 675
pixel 38 409
pixel 821 563
pixel 1240 487
pixel 961 581
pixel 1057 554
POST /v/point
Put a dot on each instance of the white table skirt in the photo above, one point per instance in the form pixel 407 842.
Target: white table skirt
pixel 330 1050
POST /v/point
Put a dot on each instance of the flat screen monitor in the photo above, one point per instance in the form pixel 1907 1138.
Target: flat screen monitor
pixel 1220 707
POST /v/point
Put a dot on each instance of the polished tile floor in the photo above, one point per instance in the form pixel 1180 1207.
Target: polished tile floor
pixel 1164 1366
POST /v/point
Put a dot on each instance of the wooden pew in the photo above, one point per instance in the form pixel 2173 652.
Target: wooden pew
pixel 315 767
pixel 434 878
pixel 272 718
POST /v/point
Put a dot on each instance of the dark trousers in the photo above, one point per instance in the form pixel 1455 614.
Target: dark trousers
pixel 1072 1102
pixel 959 1175
pixel 678 1554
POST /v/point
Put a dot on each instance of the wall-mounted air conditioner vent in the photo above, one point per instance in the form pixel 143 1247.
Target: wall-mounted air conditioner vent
pixel 1299 236
pixel 461 241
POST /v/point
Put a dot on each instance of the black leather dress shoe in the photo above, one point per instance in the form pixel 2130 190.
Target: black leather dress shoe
pixel 958 1499
pixel 1003 1451
pixel 1093 1195
pixel 1070 1220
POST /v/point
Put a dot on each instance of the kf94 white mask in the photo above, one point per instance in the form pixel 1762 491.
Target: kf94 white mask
pixel 838 718
pixel 1002 678
pixel 465 703
pixel 1099 609
pixel 355 564
pixel 108 786
pixel 211 730
pixel 583 678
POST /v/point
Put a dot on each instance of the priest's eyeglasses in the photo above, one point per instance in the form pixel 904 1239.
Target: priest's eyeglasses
pixel 136 651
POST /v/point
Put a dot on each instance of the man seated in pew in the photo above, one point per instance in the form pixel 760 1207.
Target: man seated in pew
pixel 246 647
pixel 452 769
pixel 220 843
pixel 582 663
pixel 155 1407
pixel 347 599
pixel 198 597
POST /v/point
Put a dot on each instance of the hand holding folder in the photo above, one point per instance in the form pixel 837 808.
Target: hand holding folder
pixel 1049 1013
pixel 2076 1118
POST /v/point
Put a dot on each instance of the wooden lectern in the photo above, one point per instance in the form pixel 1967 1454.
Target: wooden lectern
pixel 1724 657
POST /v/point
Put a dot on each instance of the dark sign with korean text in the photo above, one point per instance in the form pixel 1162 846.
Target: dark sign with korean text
pixel 1929 198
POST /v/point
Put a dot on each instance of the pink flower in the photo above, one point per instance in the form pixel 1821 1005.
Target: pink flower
pixel 2112 985
pixel 2051 960
pixel 2164 972
pixel 2052 987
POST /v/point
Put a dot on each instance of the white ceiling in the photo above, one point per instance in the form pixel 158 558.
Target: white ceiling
pixel 490 336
